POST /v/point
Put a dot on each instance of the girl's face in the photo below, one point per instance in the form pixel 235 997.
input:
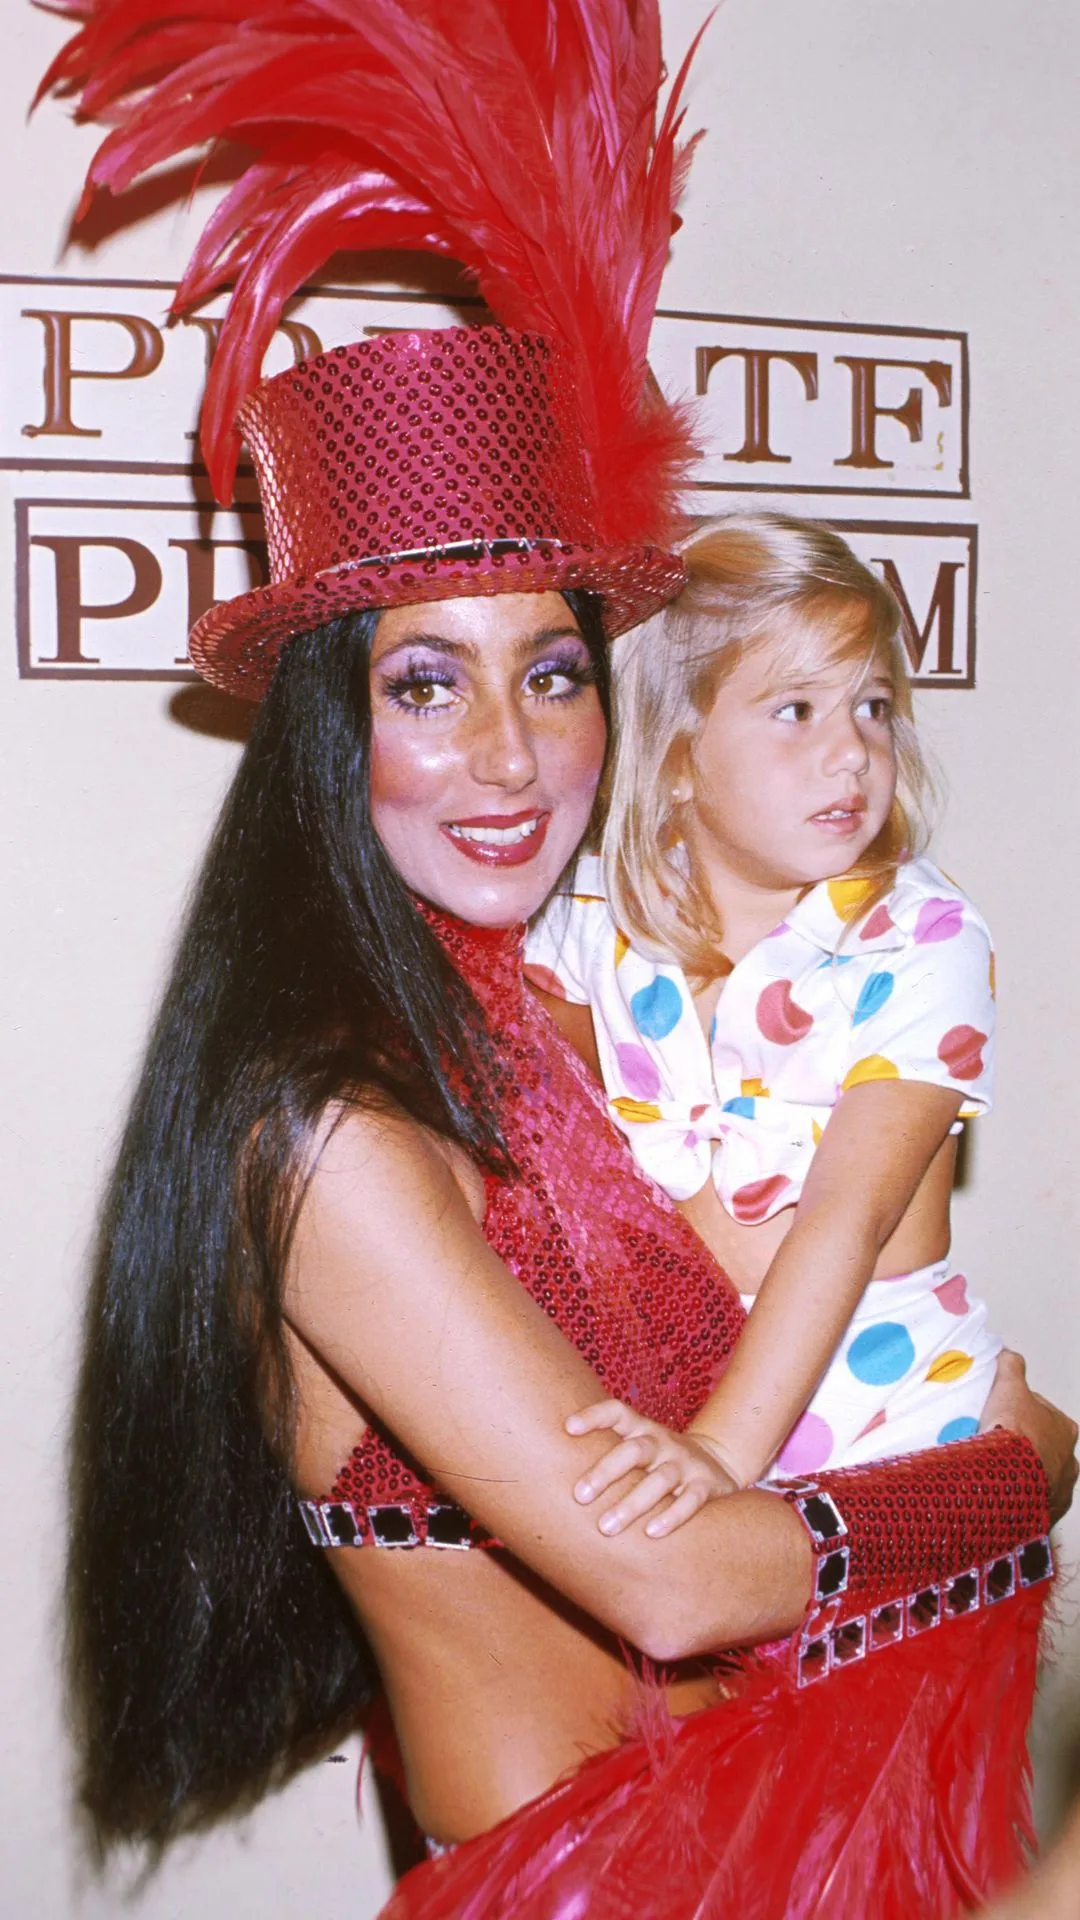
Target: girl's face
pixel 487 743
pixel 790 784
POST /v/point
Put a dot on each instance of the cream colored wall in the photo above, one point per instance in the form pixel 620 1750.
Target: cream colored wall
pixel 874 160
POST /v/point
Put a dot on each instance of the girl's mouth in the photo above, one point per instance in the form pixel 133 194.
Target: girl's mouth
pixel 845 818
pixel 499 840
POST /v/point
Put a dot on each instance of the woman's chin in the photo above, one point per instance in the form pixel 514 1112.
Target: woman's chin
pixel 493 897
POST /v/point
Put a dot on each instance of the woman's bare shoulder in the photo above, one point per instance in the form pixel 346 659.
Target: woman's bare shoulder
pixel 368 1137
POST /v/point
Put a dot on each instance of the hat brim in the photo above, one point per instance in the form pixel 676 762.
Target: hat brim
pixel 236 645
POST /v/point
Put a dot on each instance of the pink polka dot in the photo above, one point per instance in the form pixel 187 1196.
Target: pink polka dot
pixel 807 1446
pixel 640 1076
pixel 953 1294
pixel 961 1051
pixel 938 920
pixel 879 922
pixel 758 1199
pixel 872 1425
pixel 779 1017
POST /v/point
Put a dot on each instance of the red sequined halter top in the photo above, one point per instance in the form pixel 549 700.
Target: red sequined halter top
pixel 598 1246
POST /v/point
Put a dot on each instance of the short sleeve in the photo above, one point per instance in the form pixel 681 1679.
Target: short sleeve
pixel 565 939
pixel 926 1010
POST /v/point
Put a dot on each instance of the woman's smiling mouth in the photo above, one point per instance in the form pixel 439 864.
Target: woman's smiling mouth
pixel 505 840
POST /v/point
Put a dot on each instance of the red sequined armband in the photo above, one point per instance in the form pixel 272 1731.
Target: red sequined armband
pixel 906 1545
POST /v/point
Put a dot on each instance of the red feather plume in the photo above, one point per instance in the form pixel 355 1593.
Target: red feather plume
pixel 518 137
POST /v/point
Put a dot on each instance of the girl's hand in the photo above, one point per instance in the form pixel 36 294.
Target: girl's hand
pixel 1013 1404
pixel 683 1468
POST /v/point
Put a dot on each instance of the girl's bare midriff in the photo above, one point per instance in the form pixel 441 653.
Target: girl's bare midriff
pixel 746 1253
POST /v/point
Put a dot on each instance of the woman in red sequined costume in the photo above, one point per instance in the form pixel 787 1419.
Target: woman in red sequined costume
pixel 371 1236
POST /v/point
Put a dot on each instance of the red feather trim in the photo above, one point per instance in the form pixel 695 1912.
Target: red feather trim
pixel 898 1789
pixel 518 137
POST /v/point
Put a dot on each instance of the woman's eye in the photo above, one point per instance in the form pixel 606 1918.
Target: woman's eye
pixel 428 693
pixel 555 682
pixel 420 693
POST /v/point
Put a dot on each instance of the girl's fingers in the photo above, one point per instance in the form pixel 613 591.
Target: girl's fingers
pixel 656 1486
pixel 603 1413
pixel 636 1453
pixel 682 1508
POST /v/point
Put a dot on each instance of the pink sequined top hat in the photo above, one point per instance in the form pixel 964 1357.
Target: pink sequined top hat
pixel 414 467
pixel 520 138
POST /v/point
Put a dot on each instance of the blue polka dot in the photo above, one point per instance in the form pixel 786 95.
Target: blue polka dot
pixel 657 1008
pixel 744 1105
pixel 837 960
pixel 880 1355
pixel 875 992
pixel 961 1429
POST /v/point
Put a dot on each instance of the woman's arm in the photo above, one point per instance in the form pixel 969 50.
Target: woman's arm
pixel 393 1285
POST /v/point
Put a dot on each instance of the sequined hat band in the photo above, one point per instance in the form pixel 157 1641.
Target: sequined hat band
pixel 418 467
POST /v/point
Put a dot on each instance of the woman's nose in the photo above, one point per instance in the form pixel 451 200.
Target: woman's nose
pixel 503 754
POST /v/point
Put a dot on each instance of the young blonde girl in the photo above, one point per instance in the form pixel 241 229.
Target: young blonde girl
pixel 792 1010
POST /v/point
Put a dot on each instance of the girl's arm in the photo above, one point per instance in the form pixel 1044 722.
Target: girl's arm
pixel 879 1142
pixel 393 1285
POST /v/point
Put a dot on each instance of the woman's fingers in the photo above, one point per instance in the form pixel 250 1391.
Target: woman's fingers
pixel 638 1452
pixel 654 1487
pixel 1011 1403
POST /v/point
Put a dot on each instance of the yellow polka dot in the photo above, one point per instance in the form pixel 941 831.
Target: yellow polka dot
pixel 589 899
pixel 949 1366
pixel 874 1067
pixel 846 895
pixel 993 974
pixel 636 1111
pixel 817 1131
pixel 753 1089
pixel 622 945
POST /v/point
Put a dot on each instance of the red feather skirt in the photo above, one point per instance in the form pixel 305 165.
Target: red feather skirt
pixel 895 1789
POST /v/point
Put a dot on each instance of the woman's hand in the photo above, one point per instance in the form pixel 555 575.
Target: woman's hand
pixel 683 1468
pixel 1013 1404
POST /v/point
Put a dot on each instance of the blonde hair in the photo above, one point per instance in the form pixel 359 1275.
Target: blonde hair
pixel 754 579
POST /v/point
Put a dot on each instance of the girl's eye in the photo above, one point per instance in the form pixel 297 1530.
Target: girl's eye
pixel 420 692
pixel 876 706
pixel 793 710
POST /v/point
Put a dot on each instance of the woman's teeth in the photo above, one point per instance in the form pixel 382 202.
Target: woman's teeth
pixel 497 836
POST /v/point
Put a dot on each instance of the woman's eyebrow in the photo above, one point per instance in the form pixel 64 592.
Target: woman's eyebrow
pixel 469 650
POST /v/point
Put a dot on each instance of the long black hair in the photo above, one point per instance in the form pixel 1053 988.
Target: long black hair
pixel 210 1649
